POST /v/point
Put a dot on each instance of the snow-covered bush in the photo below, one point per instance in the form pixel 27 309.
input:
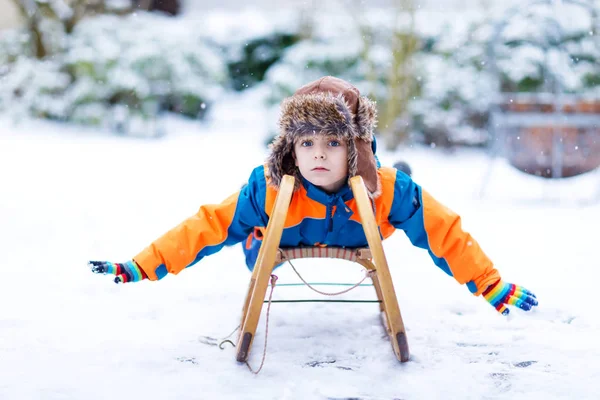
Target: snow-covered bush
pixel 13 45
pixel 551 47
pixel 34 87
pixel 119 61
pixel 251 42
pixel 456 89
pixel 115 68
pixel 310 60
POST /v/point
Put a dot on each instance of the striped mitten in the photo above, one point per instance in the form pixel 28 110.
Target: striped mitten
pixel 125 272
pixel 502 293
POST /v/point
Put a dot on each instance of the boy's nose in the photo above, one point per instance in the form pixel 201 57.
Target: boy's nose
pixel 319 155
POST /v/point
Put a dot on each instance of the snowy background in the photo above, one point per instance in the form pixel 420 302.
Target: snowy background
pixel 125 131
pixel 70 195
pixel 113 71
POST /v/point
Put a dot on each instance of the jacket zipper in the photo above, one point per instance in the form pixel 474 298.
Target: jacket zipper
pixel 330 210
pixel 331 218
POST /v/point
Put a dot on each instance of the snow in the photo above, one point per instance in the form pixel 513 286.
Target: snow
pixel 73 194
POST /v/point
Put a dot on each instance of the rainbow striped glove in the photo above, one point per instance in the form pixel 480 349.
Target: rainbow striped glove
pixel 501 293
pixel 126 272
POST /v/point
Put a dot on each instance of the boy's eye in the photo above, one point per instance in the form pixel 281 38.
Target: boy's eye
pixel 334 143
pixel 306 143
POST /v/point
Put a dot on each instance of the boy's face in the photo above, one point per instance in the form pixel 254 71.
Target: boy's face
pixel 322 160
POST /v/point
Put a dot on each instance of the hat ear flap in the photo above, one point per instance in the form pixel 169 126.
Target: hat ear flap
pixel 289 167
pixel 275 161
pixel 281 162
pixel 366 166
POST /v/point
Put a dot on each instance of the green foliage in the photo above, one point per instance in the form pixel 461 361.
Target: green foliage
pixel 592 79
pixel 187 104
pixel 529 84
pixel 256 57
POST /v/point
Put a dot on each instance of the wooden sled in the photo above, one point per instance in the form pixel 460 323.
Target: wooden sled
pixel 372 259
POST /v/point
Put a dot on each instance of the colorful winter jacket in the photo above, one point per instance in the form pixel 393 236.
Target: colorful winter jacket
pixel 321 219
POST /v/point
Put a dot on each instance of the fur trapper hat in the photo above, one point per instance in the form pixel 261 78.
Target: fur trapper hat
pixel 328 106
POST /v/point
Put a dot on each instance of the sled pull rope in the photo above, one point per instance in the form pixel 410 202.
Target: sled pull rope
pixel 368 274
pixel 226 339
pixel 264 356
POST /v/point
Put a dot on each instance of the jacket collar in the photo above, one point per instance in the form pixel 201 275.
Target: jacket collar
pixel 319 195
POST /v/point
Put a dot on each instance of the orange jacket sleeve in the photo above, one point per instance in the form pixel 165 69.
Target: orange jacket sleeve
pixel 432 226
pixel 206 232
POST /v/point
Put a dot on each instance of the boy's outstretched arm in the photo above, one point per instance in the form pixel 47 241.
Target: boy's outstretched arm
pixel 434 227
pixel 202 234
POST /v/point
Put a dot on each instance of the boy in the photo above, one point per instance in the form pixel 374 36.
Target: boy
pixel 326 137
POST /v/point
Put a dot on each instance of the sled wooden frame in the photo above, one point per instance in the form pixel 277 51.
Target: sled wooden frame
pixel 372 258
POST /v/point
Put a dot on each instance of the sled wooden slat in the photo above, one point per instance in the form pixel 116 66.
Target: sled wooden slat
pixel 263 268
pixel 371 258
pixel 323 252
pixel 395 325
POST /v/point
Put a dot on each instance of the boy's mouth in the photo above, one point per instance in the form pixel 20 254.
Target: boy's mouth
pixel 320 169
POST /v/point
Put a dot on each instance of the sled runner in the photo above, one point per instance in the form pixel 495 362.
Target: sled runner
pixel 371 258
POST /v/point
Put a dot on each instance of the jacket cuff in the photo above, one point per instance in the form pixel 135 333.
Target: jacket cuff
pixel 490 277
pixel 147 262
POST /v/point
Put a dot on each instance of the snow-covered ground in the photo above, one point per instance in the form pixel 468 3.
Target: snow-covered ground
pixel 69 195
